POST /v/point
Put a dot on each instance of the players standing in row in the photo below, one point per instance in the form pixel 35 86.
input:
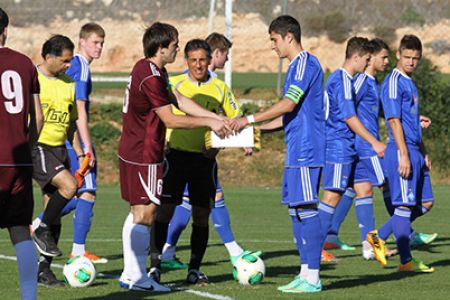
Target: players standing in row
pixel 147 112
pixel 220 46
pixel 20 123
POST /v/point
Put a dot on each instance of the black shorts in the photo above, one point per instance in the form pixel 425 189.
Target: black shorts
pixel 16 196
pixel 47 162
pixel 193 169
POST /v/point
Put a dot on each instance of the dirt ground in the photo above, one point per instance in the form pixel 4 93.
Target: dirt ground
pixel 251 45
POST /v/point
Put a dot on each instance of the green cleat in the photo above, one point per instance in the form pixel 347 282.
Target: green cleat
pixel 233 259
pixel 305 287
pixel 417 266
pixel 421 239
pixel 336 243
pixel 173 264
pixel 297 281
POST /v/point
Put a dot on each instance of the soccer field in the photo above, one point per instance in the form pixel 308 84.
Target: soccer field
pixel 259 222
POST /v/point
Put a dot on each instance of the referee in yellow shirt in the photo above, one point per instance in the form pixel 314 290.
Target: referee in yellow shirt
pixel 187 162
pixel 50 161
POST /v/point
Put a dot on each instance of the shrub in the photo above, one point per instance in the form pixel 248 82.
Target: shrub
pixel 411 17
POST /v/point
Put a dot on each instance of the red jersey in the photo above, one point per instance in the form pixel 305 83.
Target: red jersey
pixel 143 132
pixel 18 82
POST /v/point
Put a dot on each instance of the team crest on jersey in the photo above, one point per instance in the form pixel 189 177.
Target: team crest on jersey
pixel 411 196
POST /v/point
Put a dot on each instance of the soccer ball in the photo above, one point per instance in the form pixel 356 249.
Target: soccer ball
pixel 79 271
pixel 249 269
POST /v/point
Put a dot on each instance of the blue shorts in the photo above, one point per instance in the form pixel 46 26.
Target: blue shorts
pixel 300 186
pixel 369 169
pixel 90 181
pixel 338 176
pixel 416 188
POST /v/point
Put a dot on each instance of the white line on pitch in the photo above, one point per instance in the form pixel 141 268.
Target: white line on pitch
pixel 180 240
pixel 112 276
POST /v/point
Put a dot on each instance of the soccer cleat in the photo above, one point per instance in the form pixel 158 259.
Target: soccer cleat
pixel 297 281
pixel 196 277
pixel 336 243
pixel 379 250
pixel 155 274
pixel 328 257
pixel 45 243
pixel 94 258
pixel 173 264
pixel 367 251
pixel 233 259
pixel 47 278
pixel 415 265
pixel 147 285
pixel 305 287
pixel 421 239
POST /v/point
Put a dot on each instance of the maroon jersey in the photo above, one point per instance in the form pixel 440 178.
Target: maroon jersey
pixel 143 132
pixel 18 82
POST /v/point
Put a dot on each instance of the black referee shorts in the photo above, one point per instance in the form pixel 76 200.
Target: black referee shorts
pixel 193 169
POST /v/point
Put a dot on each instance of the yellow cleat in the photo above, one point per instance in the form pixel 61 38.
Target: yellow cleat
pixel 415 265
pixel 379 250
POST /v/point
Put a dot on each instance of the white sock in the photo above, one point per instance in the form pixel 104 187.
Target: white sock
pixel 313 276
pixel 168 252
pixel 136 245
pixel 27 263
pixel 304 271
pixel 78 249
pixel 233 248
pixel 35 224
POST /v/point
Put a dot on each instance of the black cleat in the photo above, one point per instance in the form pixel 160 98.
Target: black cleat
pixel 196 277
pixel 47 278
pixel 45 243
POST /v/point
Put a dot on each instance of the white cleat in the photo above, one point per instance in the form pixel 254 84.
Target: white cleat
pixel 147 285
pixel 367 251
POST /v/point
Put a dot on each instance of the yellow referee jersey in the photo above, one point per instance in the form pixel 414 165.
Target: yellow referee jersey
pixel 214 95
pixel 59 108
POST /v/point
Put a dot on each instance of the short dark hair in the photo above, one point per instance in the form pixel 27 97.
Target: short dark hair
pixel 56 45
pixel 218 41
pixel 377 45
pixel 284 24
pixel 158 35
pixel 410 42
pixel 196 44
pixel 4 20
pixel 89 28
pixel 359 45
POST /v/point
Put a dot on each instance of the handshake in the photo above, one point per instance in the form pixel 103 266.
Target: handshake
pixel 225 127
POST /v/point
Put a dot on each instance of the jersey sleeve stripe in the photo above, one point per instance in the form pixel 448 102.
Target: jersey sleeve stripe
pixel 347 87
pixel 359 82
pixel 301 66
pixel 393 83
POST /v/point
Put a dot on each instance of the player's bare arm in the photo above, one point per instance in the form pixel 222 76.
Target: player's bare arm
pixel 277 110
pixel 404 165
pixel 72 136
pixel 83 130
pixel 274 125
pixel 357 127
pixel 36 119
pixel 192 108
pixel 175 121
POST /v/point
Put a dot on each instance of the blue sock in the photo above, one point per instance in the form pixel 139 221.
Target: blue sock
pixel 297 232
pixel 401 225
pixel 364 215
pixel 388 202
pixel 326 213
pixel 71 205
pixel 178 223
pixel 312 237
pixel 82 220
pixel 221 220
pixel 341 211
pixel 386 230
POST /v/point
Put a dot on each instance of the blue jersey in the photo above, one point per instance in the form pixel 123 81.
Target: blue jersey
pixel 305 126
pixel 340 94
pixel 367 109
pixel 401 100
pixel 81 74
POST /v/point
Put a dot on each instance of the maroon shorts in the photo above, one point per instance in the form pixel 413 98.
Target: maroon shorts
pixel 16 196
pixel 141 184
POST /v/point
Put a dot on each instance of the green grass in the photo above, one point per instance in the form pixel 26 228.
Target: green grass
pixel 259 223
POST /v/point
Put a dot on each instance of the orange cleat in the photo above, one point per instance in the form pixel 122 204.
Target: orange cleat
pixel 328 257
